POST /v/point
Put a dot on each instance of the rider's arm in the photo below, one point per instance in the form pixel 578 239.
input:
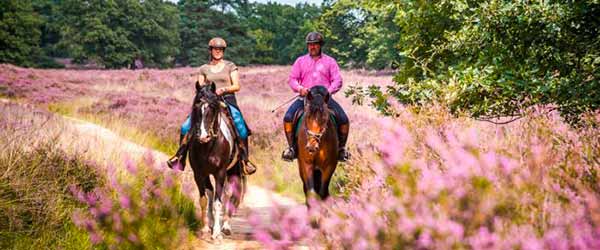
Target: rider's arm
pixel 336 78
pixel 295 75
pixel 235 82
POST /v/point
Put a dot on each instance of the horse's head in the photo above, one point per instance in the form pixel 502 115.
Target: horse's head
pixel 205 112
pixel 316 116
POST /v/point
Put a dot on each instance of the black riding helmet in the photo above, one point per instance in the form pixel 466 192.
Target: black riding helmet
pixel 314 37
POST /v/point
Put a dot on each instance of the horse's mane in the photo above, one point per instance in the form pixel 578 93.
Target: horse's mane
pixel 207 93
pixel 318 98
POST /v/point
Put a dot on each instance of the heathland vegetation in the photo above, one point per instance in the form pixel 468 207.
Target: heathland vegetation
pixel 430 171
pixel 421 178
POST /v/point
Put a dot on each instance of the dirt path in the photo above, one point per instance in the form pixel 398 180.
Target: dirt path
pixel 105 146
pixel 257 200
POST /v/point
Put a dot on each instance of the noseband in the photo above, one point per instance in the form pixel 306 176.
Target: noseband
pixel 316 136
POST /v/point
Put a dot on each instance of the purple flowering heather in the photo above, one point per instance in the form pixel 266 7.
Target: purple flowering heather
pixel 466 185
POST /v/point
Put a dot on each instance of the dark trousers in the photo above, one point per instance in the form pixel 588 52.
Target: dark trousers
pixel 340 115
pixel 230 99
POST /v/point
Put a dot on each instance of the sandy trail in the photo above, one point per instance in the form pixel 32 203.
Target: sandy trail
pixel 105 146
pixel 257 201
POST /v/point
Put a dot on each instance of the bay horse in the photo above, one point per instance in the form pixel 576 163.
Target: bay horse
pixel 212 152
pixel 317 143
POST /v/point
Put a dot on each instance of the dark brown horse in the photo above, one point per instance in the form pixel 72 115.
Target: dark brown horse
pixel 317 143
pixel 212 152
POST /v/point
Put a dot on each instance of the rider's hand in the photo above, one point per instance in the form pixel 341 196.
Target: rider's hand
pixel 303 91
pixel 220 91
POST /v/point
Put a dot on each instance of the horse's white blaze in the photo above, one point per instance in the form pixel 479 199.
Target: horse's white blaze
pixel 227 133
pixel 203 132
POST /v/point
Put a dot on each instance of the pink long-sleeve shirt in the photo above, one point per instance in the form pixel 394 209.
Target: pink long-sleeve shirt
pixel 308 72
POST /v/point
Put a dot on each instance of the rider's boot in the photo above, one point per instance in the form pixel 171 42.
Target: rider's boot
pixel 289 154
pixel 248 167
pixel 343 130
pixel 181 155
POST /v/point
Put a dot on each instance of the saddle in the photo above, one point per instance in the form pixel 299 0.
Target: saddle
pixel 230 120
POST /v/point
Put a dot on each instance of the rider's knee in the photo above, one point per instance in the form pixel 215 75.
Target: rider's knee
pixel 186 126
pixel 343 119
pixel 289 117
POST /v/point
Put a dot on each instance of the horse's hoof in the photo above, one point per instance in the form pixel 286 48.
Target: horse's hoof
pixel 217 238
pixel 205 233
pixel 226 231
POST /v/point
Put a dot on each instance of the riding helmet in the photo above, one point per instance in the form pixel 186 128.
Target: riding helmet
pixel 217 42
pixel 314 37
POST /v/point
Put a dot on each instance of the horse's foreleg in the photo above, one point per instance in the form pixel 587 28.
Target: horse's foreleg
pixel 324 190
pixel 203 199
pixel 317 180
pixel 306 173
pixel 210 193
pixel 218 205
pixel 325 180
pixel 231 201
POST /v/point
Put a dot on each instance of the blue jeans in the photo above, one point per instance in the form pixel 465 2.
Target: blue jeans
pixel 231 101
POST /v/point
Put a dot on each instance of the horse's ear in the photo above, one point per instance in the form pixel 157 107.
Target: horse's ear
pixel 198 87
pixel 309 96
pixel 213 88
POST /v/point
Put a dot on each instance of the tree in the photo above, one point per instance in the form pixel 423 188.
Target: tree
pixel 116 32
pixel 201 20
pixel 360 33
pixel 496 58
pixel 156 33
pixel 278 31
pixel 19 33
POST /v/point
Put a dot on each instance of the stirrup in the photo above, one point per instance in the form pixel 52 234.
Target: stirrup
pixel 248 167
pixel 288 154
pixel 344 155
pixel 173 161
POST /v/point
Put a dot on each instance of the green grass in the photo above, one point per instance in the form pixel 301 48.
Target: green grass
pixel 35 203
pixel 68 237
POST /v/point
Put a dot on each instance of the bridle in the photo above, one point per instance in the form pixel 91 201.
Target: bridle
pixel 316 135
pixel 211 125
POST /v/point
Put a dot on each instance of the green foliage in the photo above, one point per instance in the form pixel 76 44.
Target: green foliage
pixel 115 33
pixel 202 20
pixel 278 31
pixel 496 58
pixel 19 33
pixel 361 33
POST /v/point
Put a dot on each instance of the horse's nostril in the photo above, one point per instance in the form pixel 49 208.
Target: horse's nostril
pixel 312 149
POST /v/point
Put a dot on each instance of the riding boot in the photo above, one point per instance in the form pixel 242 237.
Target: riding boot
pixel 289 154
pixel 343 130
pixel 248 167
pixel 181 155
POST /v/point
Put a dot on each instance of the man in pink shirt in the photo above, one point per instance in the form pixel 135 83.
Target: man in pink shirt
pixel 312 69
